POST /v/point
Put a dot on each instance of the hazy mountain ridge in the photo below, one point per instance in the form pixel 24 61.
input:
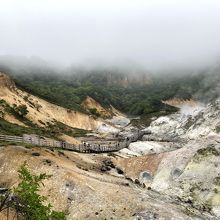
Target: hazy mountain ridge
pixel 115 86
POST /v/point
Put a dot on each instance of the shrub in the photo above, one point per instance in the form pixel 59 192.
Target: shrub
pixel 32 205
pixel 94 112
pixel 21 110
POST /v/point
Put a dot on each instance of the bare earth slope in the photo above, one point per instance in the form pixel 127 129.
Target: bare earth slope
pixel 78 185
pixel 42 112
pixel 89 103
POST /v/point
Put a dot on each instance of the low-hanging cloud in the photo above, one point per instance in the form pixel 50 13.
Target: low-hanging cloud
pixel 153 33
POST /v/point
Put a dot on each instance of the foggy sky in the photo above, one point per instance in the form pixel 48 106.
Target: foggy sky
pixel 152 33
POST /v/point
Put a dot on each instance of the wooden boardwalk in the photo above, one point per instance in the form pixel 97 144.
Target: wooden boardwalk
pixel 96 147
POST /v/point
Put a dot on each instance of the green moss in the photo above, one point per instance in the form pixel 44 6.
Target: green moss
pixel 189 211
pixel 210 150
pixel 205 152
pixel 193 198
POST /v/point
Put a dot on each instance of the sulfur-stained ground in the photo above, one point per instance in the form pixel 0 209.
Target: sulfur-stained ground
pixel 79 186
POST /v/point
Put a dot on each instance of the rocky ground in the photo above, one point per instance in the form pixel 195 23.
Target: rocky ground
pixel 89 187
pixel 172 173
pixel 180 157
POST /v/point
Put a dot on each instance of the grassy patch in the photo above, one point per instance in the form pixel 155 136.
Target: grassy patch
pixel 13 129
pixel 51 131
pixel 145 120
pixel 60 128
pixel 12 111
pixel 4 143
pixel 7 143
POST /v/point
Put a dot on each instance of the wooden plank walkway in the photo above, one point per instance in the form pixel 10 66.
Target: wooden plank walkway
pixel 99 147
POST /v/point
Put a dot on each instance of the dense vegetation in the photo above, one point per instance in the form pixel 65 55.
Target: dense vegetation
pixel 135 93
pixel 132 99
pixel 71 91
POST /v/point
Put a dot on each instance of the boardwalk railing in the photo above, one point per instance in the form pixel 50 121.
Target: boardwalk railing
pixel 83 147
pixel 11 138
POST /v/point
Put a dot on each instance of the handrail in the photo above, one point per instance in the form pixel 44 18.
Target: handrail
pixel 83 147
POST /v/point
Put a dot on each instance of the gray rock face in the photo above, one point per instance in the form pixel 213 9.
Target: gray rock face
pixel 68 189
pixel 201 123
pixel 191 172
pixel 190 168
pixel 152 147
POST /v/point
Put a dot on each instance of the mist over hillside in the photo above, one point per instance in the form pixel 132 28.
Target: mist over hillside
pixel 140 41
pixel 209 82
pixel 133 89
pixel 110 109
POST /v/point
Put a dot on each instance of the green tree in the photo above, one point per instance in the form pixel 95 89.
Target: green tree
pixel 33 204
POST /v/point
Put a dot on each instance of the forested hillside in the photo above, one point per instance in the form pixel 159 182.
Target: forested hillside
pixel 132 92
